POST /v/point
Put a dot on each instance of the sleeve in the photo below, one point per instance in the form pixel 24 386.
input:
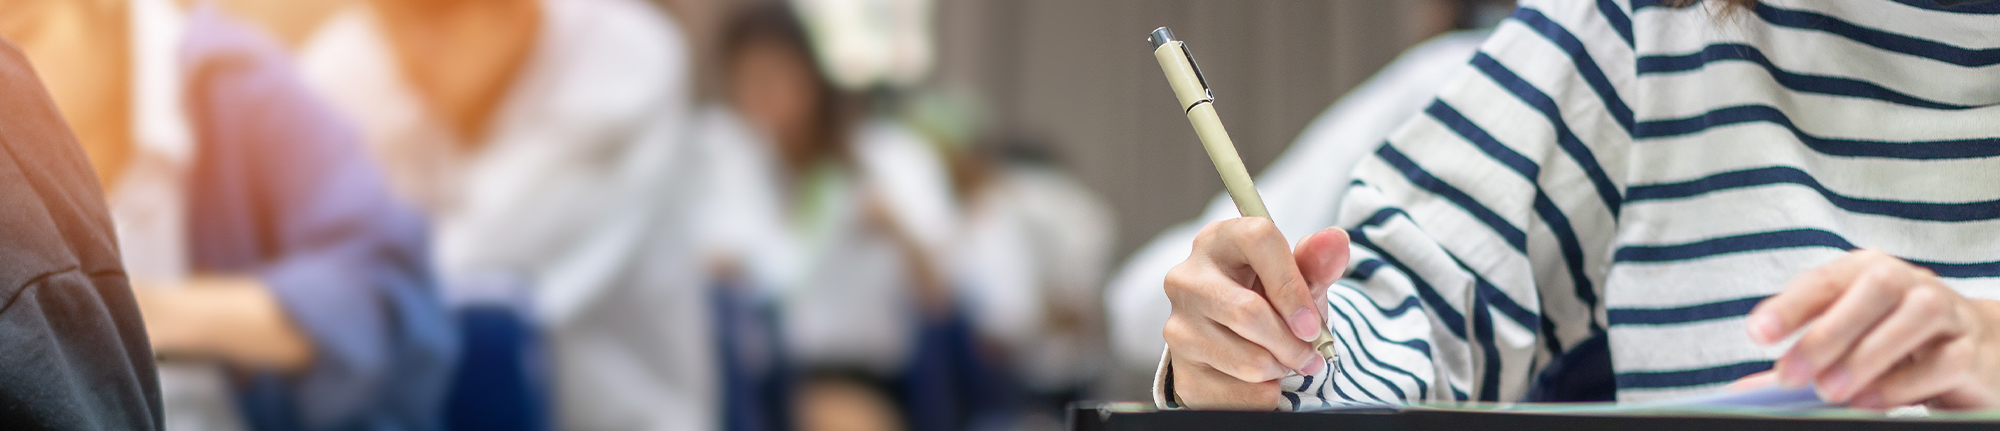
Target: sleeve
pixel 73 351
pixel 1481 229
pixel 345 259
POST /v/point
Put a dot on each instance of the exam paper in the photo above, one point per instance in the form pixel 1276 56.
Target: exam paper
pixel 1770 398
pixel 1762 401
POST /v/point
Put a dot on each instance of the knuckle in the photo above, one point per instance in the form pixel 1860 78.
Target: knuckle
pixel 1288 290
pixel 1880 279
pixel 1264 229
pixel 1958 357
pixel 1257 224
pixel 1927 301
pixel 1176 331
pixel 1210 231
pixel 1250 230
pixel 1248 370
pixel 1812 342
pixel 1181 277
pixel 1961 322
pixel 1823 277
pixel 1231 228
pixel 1242 308
pixel 1872 255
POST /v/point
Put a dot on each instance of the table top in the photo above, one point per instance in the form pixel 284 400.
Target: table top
pixel 1089 416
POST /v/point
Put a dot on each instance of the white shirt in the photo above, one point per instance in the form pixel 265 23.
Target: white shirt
pixel 563 208
pixel 1030 265
pixel 842 286
pixel 740 201
pixel 852 302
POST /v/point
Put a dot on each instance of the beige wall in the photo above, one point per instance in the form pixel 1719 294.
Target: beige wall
pixel 1079 73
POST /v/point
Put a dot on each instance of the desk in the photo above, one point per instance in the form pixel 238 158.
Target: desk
pixel 1129 417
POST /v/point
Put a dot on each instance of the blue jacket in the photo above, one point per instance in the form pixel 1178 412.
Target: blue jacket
pixel 281 187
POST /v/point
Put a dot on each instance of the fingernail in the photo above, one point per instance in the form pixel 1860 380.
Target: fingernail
pixel 1793 371
pixel 1313 365
pixel 1304 323
pixel 1764 328
pixel 1834 387
pixel 1303 362
pixel 1867 401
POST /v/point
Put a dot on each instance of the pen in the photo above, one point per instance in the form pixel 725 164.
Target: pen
pixel 1199 103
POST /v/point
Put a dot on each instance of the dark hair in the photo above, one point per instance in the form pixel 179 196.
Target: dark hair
pixel 770 21
pixel 773 22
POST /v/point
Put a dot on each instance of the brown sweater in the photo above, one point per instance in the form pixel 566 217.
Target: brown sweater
pixel 73 353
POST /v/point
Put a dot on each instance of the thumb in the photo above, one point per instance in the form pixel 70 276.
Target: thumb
pixel 1322 259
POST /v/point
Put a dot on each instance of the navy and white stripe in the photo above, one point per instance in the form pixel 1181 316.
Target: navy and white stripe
pixel 1648 172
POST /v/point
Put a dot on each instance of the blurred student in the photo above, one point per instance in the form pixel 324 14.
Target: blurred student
pixel 1030 263
pixel 1758 192
pixel 866 307
pixel 542 139
pixel 73 349
pixel 744 243
pixel 282 285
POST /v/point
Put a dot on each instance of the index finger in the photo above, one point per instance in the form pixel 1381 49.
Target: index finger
pixel 1257 243
pixel 1807 296
pixel 1322 258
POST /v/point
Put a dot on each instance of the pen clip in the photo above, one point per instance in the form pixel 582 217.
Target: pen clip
pixel 1162 36
pixel 1207 95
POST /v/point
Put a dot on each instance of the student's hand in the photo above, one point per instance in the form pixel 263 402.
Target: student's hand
pixel 1887 334
pixel 1245 308
pixel 233 318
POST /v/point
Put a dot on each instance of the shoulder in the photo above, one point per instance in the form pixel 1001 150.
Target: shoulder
pixel 1607 18
pixel 55 214
pixel 215 38
pixel 76 355
pixel 1590 33
pixel 232 65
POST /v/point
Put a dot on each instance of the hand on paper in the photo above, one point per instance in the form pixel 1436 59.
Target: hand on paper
pixel 1886 333
pixel 1245 307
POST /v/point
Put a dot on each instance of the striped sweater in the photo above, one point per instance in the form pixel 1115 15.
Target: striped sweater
pixel 1622 180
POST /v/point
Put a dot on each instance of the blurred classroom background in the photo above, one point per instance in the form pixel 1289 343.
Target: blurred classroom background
pixel 866 214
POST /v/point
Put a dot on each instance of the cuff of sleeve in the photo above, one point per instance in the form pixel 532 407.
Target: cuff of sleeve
pixel 1164 396
pixel 340 317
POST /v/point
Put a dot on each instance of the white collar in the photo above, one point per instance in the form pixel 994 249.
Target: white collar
pixel 159 101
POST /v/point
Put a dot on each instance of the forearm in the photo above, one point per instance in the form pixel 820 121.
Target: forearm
pixel 235 318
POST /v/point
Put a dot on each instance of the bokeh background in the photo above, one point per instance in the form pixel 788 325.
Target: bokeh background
pixel 1062 97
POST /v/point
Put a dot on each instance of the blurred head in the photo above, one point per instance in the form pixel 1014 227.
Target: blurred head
pixel 462 56
pixel 774 82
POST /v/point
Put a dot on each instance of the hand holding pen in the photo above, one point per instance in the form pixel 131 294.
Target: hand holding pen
pixel 1247 308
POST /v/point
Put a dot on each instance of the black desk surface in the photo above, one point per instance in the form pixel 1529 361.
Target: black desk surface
pixel 1122 417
